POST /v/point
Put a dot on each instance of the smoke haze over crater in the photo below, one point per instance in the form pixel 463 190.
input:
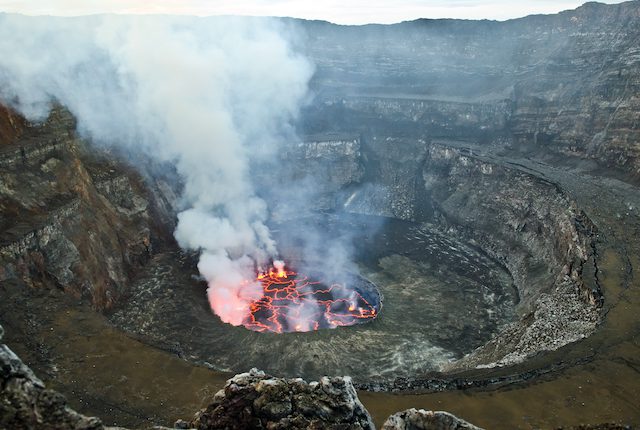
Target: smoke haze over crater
pixel 205 95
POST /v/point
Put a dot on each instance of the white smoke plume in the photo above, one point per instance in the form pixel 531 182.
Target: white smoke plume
pixel 205 94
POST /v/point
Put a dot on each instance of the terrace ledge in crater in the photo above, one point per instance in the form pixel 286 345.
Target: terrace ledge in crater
pixel 249 400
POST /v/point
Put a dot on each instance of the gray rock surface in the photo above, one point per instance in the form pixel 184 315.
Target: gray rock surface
pixel 73 217
pixel 419 419
pixel 563 85
pixel 536 230
pixel 256 400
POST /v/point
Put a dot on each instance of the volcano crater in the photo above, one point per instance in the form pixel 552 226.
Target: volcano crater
pixel 442 299
pixel 479 264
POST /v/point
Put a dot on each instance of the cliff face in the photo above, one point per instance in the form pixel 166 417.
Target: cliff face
pixel 504 208
pixel 522 219
pixel 69 217
pixel 444 107
pixel 537 231
pixel 319 168
pixel 11 125
pixel 564 84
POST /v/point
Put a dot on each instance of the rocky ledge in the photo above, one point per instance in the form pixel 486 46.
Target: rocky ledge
pixel 249 400
pixel 257 400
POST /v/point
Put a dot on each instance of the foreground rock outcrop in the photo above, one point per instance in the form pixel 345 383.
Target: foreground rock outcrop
pixel 256 400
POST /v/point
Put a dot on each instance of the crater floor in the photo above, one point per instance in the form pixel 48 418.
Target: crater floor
pixel 441 299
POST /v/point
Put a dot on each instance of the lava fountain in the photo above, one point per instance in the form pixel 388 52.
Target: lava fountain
pixel 292 302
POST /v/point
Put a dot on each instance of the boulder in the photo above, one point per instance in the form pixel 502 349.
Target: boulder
pixel 257 400
pixel 419 419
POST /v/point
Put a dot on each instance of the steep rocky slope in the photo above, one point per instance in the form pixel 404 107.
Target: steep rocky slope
pixel 70 217
pixel 564 84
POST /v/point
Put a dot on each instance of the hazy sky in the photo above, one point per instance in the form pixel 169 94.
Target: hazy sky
pixel 339 11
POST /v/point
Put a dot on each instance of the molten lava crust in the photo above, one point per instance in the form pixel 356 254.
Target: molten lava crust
pixel 297 303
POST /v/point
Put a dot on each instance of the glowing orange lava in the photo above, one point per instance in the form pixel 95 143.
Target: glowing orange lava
pixel 295 303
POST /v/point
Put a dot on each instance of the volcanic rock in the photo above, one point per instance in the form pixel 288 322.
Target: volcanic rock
pixel 564 85
pixel 257 400
pixel 73 218
pixel 419 419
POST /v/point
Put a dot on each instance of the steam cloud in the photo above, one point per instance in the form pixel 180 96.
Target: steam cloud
pixel 205 94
